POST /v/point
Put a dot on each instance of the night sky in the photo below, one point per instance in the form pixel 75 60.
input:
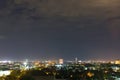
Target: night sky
pixel 52 29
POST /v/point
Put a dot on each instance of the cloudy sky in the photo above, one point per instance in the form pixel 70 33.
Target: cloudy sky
pixel 52 29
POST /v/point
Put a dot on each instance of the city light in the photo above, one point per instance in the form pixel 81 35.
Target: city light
pixel 5 73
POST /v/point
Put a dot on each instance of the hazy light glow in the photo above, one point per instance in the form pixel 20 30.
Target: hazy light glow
pixel 5 61
pixel 5 73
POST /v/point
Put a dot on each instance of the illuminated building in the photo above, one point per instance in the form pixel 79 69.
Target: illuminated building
pixel 76 60
pixel 117 62
pixel 61 61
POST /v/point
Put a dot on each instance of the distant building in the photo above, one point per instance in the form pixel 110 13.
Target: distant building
pixel 61 61
pixel 117 62
pixel 76 60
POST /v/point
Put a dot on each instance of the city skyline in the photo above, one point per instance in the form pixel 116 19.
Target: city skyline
pixel 53 29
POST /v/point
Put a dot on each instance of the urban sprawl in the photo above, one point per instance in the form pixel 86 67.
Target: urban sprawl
pixel 60 70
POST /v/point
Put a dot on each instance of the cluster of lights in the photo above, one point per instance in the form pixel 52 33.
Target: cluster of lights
pixel 5 61
pixel 5 73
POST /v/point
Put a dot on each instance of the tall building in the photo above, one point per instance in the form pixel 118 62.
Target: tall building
pixel 76 60
pixel 61 61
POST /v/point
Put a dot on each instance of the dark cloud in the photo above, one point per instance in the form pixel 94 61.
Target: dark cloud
pixel 114 27
pixel 69 8
pixel 60 26
pixel 2 37
pixel 66 13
